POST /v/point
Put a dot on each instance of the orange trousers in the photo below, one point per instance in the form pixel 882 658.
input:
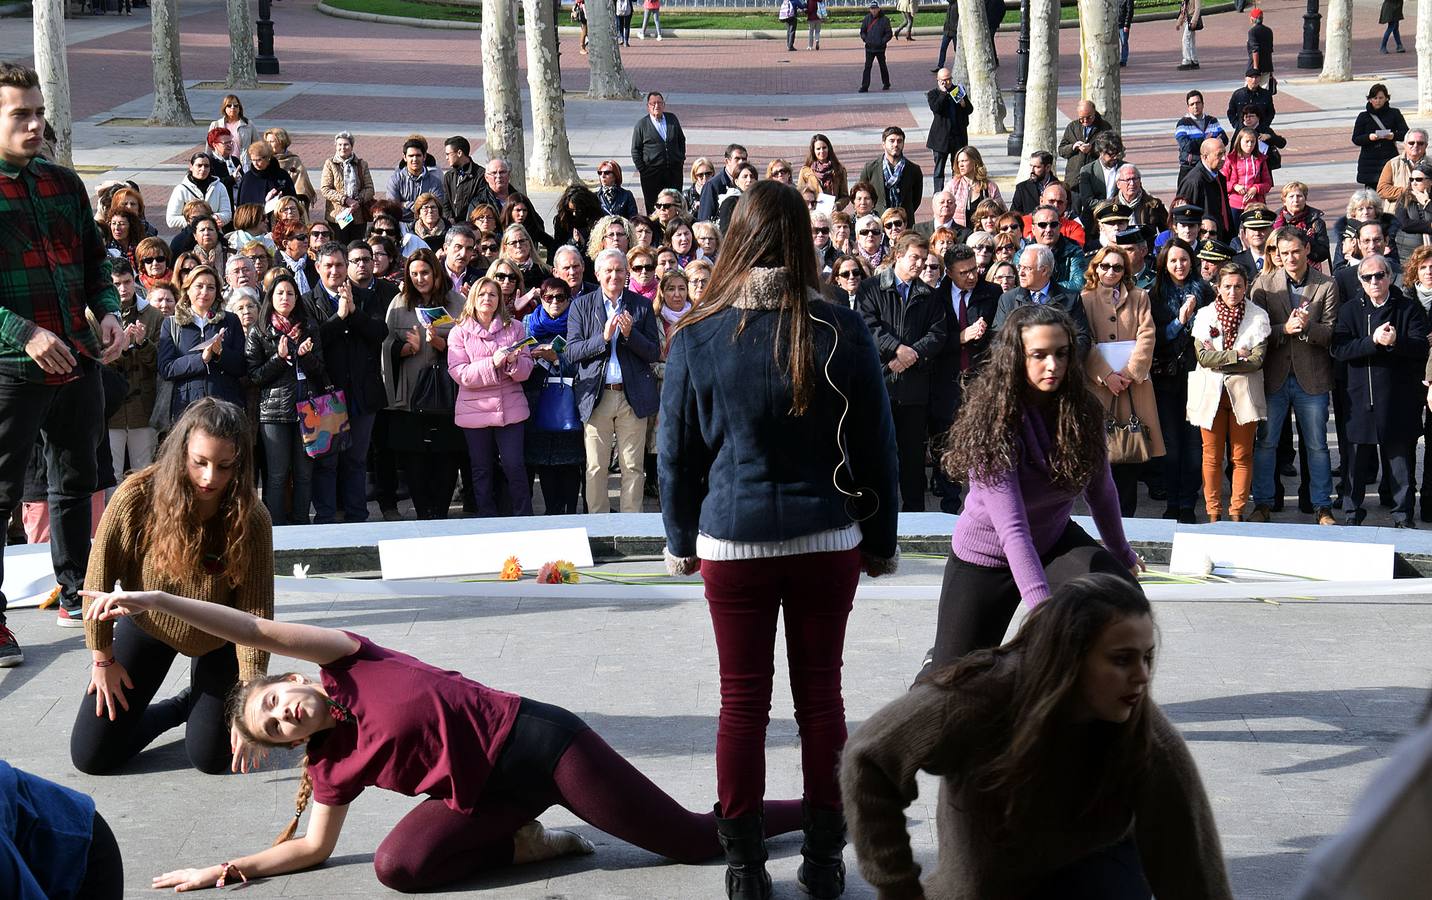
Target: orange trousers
pixel 1240 437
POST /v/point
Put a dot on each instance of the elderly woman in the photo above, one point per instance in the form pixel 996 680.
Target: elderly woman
pixel 610 233
pixel 708 240
pixel 1126 393
pixel 698 275
pixel 869 241
pixel 1307 219
pixel 982 242
pixel 669 207
pixel 842 231
pixel 825 252
pixel 893 223
pixel 122 235
pixel 278 139
pixel 615 200
pixel 862 199
pixel 641 263
pixel 484 217
pixel 199 183
pixel 428 221
pixel 1364 205
pixel 346 187
pixel 701 172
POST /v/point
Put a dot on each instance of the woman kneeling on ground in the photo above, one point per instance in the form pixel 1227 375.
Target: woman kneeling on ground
pixel 1060 777
pixel 489 762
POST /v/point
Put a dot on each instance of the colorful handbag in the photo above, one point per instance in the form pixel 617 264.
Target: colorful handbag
pixel 323 423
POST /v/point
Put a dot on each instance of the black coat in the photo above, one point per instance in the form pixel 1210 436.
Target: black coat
pixel 617 202
pixel 945 381
pixel 1384 384
pixel 277 378
pixel 254 185
pixel 1074 133
pixel 1260 47
pixel 1068 301
pixel 1126 13
pixel 949 130
pixel 1375 154
pixel 1209 191
pixel 875 32
pixel 1259 97
pixel 192 377
pixel 460 191
pixel 352 347
pixel 1026 195
pixel 918 322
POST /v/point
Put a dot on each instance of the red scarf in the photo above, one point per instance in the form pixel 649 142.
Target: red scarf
pixel 284 326
pixel 1229 320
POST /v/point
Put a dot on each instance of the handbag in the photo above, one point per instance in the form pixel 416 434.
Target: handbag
pixel 1128 440
pixel 787 11
pixel 323 423
pixel 557 406
pixel 434 392
pixel 822 10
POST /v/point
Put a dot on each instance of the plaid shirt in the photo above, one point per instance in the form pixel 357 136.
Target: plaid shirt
pixel 53 266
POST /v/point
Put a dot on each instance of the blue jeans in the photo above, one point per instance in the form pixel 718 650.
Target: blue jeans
pixel 1123 46
pixel 1312 413
pixel 945 42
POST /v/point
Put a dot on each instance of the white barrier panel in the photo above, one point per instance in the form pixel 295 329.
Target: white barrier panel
pixel 1201 553
pixel 479 554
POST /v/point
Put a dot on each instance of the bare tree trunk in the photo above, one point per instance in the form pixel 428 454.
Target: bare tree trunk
pixel 1424 58
pixel 171 104
pixel 501 99
pixel 1337 54
pixel 1041 123
pixel 978 54
pixel 242 73
pixel 1099 57
pixel 609 80
pixel 54 71
pixel 551 157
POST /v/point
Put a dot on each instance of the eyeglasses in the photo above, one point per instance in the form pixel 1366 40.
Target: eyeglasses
pixel 503 277
pixel 1370 277
pixel 867 232
pixel 359 260
pixel 151 260
pixel 819 230
pixel 1050 224
pixel 643 267
pixel 848 273
pixel 1110 267
pixel 517 242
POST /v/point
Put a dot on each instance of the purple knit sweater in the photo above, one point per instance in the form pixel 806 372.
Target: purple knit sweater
pixel 1014 520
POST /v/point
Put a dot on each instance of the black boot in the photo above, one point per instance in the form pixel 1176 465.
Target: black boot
pixel 745 844
pixel 822 874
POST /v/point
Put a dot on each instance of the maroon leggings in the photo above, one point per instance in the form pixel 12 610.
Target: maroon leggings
pixel 815 591
pixel 433 845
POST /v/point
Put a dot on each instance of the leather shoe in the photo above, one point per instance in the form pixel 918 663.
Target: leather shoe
pixel 1324 516
pixel 1260 514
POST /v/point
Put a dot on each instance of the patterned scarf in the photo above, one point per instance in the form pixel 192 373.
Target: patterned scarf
pixel 892 181
pixel 284 326
pixel 1228 321
pixel 350 176
pixel 825 174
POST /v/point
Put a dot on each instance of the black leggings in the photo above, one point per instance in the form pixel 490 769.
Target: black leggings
pixel 99 746
pixel 551 758
pixel 978 602
pixel 104 871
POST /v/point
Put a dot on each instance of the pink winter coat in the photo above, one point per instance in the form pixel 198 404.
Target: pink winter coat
pixel 1249 171
pixel 488 397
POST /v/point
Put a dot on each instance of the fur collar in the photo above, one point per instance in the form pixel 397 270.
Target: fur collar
pixel 764 289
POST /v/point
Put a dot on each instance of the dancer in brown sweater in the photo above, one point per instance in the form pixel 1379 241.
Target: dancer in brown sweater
pixel 191 523
pixel 1060 777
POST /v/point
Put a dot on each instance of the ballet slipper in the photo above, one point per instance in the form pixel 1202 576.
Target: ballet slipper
pixel 533 843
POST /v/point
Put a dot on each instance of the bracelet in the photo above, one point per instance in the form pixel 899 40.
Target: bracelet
pixel 224 870
pixel 104 663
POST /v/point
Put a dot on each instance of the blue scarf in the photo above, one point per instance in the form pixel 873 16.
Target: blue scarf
pixel 543 327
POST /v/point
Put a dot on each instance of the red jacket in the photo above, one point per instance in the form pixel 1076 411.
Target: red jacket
pixel 1248 171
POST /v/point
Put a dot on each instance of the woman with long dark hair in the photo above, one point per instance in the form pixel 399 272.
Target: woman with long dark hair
pixel 577 211
pixel 762 379
pixel 488 761
pixel 1029 441
pixel 1178 294
pixel 192 522
pixel 1060 776
pixel 824 169
pixel 518 210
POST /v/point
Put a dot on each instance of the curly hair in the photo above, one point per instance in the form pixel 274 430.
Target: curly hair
pixel 984 443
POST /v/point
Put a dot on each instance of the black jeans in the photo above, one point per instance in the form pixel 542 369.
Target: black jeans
pixel 99 746
pixel 285 456
pixel 911 425
pixel 341 479
pixel 561 488
pixel 870 57
pixel 70 417
pixel 978 602
pixel 384 462
pixel 1183 444
pixel 654 181
pixel 1126 483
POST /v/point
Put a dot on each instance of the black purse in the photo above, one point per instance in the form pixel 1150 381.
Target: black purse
pixel 434 392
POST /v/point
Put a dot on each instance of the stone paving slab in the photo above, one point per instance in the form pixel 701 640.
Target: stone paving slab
pixel 1288 709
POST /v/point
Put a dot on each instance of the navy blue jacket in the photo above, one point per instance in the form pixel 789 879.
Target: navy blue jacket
pixel 192 377
pixel 590 351
pixel 735 464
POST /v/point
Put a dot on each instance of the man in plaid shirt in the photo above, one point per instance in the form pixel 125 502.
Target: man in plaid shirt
pixel 53 270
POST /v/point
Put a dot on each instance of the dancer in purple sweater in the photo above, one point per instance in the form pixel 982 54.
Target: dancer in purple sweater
pixel 1029 441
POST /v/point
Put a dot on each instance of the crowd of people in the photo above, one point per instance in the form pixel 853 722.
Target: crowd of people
pixel 807 348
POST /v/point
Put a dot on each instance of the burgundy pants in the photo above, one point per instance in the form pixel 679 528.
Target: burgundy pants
pixel 815 592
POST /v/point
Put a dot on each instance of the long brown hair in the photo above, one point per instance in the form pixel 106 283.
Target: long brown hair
pixel 238 699
pixel 410 296
pixel 172 536
pixel 1015 748
pixel 983 444
pixel 770 228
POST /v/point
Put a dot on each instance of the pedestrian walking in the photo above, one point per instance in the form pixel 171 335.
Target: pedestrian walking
pixel 1391 16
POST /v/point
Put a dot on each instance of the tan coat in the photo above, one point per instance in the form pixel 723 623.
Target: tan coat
pixel 1131 320
pixel 291 164
pixel 1220 370
pixel 331 187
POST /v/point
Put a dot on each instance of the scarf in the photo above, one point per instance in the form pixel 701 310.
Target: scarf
pixel 1228 321
pixel 649 291
pixel 1424 296
pixel 201 183
pixel 543 327
pixel 825 174
pixel 284 326
pixel 892 181
pixel 672 316
pixel 350 176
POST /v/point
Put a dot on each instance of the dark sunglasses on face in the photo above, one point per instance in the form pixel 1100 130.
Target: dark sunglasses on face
pixel 1046 224
pixel 488 249
pixel 666 206
pixel 1110 267
pixel 605 172
pixel 385 232
pixel 867 232
pixel 848 273
pixel 151 260
pixel 643 267
pixel 503 277
pixel 894 224
pixel 704 174
pixel 934 267
pixel 1370 277
pixel 818 230
pixel 554 298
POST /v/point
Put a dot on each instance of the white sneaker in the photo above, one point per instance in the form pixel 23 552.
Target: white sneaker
pixel 658 37
pixel 641 37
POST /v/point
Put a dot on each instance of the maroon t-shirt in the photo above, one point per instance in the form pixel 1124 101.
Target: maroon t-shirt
pixel 416 729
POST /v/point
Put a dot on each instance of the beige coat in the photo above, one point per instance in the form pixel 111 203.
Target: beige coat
pixel 331 187
pixel 291 164
pixel 1131 320
pixel 1220 370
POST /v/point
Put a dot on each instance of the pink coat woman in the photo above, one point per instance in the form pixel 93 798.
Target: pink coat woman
pixel 1250 172
pixel 491 405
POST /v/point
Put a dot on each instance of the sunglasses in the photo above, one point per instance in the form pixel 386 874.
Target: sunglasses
pixel 867 232
pixel 666 206
pixel 894 224
pixel 1110 267
pixel 848 273
pixel 605 172
pixel 554 298
pixel 934 267
pixel 503 277
pixel 643 267
pixel 151 260
pixel 487 249
pixel 820 230
pixel 1370 277
pixel 1008 228
pixel 385 232
pixel 319 235
pixel 704 174
pixel 1207 232
pixel 780 172
pixel 1046 224
pixel 302 238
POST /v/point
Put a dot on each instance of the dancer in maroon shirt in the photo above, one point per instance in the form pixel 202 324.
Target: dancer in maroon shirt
pixel 488 761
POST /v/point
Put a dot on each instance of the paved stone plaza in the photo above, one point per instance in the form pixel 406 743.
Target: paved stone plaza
pixel 1289 708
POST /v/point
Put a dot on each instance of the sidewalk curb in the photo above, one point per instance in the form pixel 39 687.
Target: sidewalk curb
pixel 713 34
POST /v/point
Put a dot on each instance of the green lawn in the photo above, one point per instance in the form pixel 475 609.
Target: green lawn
pixel 840 18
